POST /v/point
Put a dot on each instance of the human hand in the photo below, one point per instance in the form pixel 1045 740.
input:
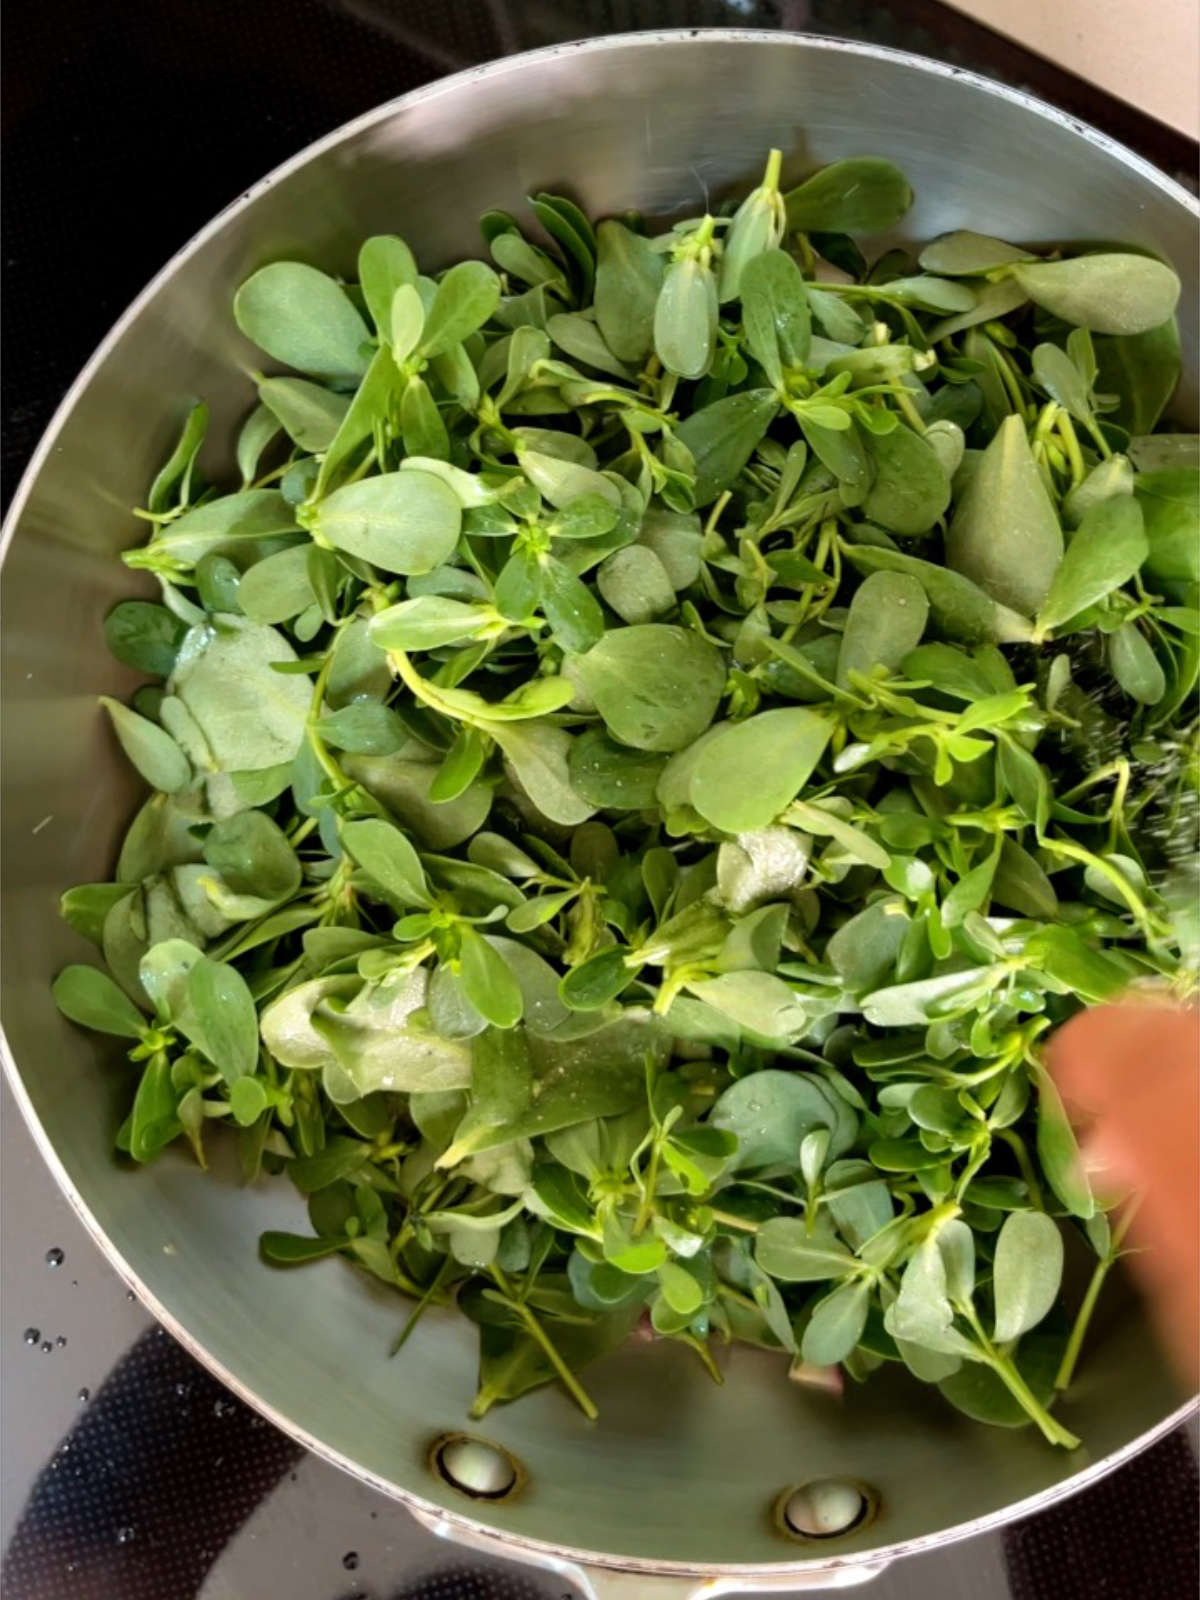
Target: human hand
pixel 1130 1077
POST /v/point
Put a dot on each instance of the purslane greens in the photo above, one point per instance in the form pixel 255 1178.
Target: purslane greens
pixel 660 734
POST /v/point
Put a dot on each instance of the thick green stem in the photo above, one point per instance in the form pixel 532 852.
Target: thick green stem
pixel 740 1223
pixel 536 1332
pixel 905 401
pixel 1103 1267
pixel 649 1184
pixel 1006 1370
pixel 1017 1145
pixel 421 1306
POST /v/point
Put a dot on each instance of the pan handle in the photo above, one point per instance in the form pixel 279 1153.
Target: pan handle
pixel 597 1584
pixel 603 1583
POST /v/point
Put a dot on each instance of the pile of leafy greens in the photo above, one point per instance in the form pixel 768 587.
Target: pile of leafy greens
pixel 663 731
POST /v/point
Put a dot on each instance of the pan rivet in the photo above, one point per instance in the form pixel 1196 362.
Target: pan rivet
pixel 475 1467
pixel 826 1508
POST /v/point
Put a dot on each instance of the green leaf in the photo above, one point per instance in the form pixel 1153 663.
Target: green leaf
pixel 1019 882
pixel 836 1324
pixel 89 997
pixel 150 748
pixel 460 766
pixel 775 314
pixel 785 1248
pixel 304 319
pixel 222 1018
pixel 144 636
pixel 680 1289
pixel 982 1395
pixel 611 776
pixel 570 228
pixel 1062 380
pixel 968 254
pixel 539 757
pixel 1026 1273
pixel 518 588
pixel 993 301
pixel 629 274
pixel 85 907
pixel 516 1094
pixel 1170 502
pixel 1005 535
pixel 1058 1151
pixel 864 194
pixel 656 686
pixel 1106 480
pixel 367 1032
pixel 747 772
pixel 154 1121
pixel 487 981
pixel 758 224
pixel 427 623
pixel 366 728
pixel 885 622
pixel 562 480
pixel 257 433
pixel 771 1111
pixel 421 426
pixel 1025 779
pixel 251 716
pixel 908 1005
pixel 1133 663
pixel 723 436
pixel 685 318
pixel 757 1001
pixel 388 858
pixel 1141 371
pixel 570 608
pixel 1108 293
pixel 277 588
pixel 384 263
pixel 294 1249
pixel 174 477
pixel 373 401
pixel 247 1100
pixel 252 854
pixel 341 1158
pixel 579 337
pixel 958 607
pixel 406 788
pixel 596 981
pixel 1105 551
pixel 401 521
pixel 636 585
pixel 466 297
pixel 840 447
pixel 863 951
pixel 309 414
pixel 242 526
pixel 931 293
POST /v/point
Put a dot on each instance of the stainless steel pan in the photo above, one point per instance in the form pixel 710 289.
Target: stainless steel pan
pixel 679 1478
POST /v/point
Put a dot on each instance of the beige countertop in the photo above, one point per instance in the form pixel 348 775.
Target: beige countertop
pixel 1144 51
